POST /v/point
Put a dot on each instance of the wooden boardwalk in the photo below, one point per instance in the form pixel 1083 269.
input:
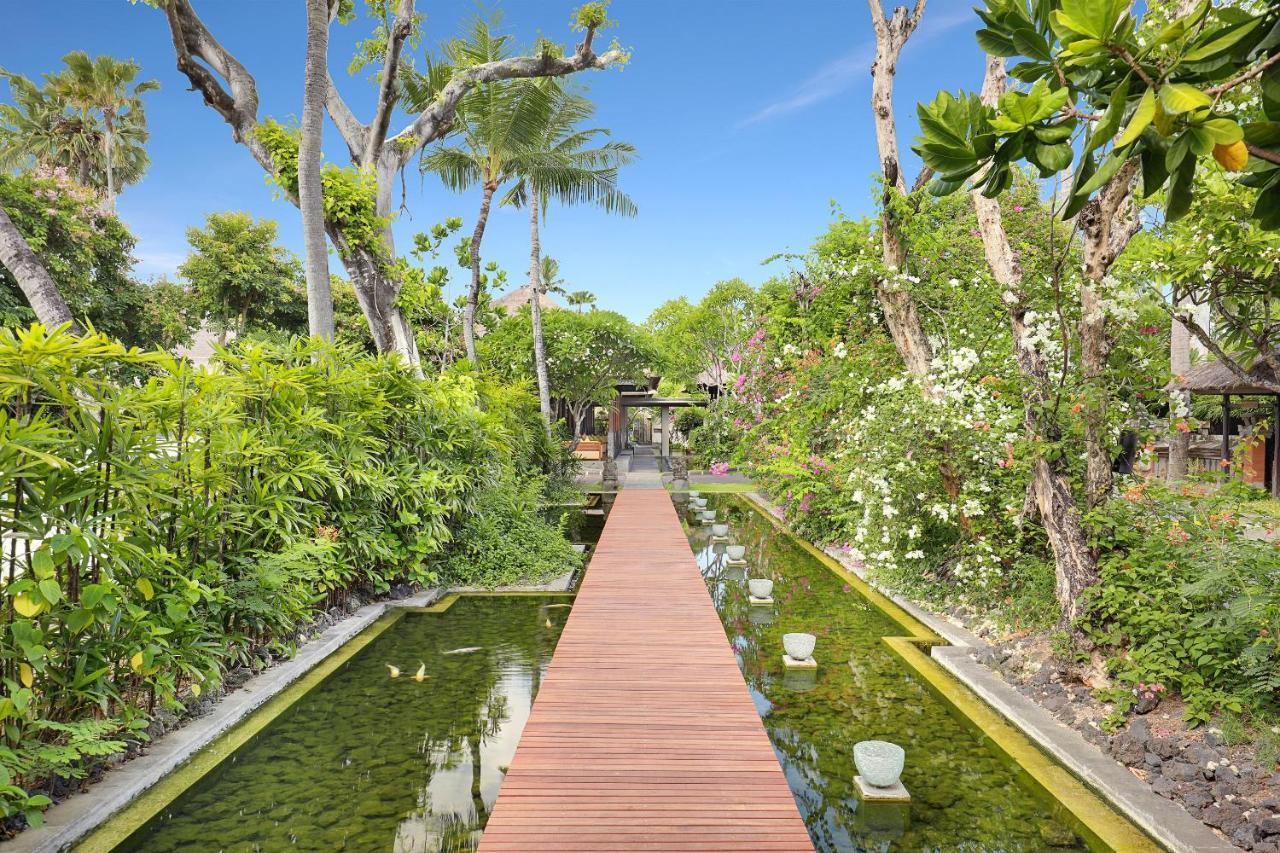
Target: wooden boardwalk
pixel 643 735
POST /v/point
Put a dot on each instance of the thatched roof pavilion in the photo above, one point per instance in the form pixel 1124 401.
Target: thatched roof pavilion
pixel 1215 378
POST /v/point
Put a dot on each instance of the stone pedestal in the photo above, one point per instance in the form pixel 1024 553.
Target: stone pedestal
pixel 791 663
pixel 870 793
pixel 762 602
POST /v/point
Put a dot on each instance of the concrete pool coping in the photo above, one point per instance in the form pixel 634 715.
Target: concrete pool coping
pixel 184 755
pixel 1164 821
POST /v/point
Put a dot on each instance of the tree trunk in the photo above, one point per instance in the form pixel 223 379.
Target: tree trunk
pixel 473 295
pixel 109 145
pixel 376 294
pixel 1074 566
pixel 310 189
pixel 1106 223
pixel 535 283
pixel 37 285
pixel 1179 401
pixel 899 306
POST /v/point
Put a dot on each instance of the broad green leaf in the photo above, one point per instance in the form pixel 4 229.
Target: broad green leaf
pixel 144 587
pixel 50 590
pixel 1053 158
pixel 1105 172
pixel 1179 98
pixel 1221 40
pixel 91 594
pixel 1111 119
pixel 1181 190
pixel 1223 131
pixel 42 563
pixel 1142 116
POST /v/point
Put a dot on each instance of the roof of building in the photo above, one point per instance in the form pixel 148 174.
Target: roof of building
pixel 514 300
pixel 1214 377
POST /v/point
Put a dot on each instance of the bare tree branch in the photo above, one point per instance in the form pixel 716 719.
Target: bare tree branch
pixel 387 95
pixel 192 41
pixel 353 132
pixel 436 119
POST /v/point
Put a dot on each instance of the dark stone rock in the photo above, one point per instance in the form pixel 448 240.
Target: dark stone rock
pixel 1198 753
pixel 1163 786
pixel 1224 816
pixel 1152 760
pixel 1147 702
pixel 1180 771
pixel 1197 797
pixel 1138 731
pixel 1225 788
pixel 1245 836
pixel 1054 702
pixel 1165 747
pixel 1127 750
pixel 1270 825
pixel 1213 740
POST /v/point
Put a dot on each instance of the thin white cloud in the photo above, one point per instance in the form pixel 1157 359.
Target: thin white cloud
pixel 837 76
pixel 157 262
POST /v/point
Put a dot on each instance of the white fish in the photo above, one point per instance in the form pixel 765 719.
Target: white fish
pixel 463 651
pixel 395 670
pixel 421 673
pixel 549 606
pixel 548 625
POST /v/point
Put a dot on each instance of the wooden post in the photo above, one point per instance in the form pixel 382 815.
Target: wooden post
pixel 1226 437
pixel 1275 448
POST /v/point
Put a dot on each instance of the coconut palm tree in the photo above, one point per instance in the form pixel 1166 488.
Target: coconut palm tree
pixel 310 191
pixel 101 86
pixel 497 123
pixel 573 169
pixel 550 276
pixel 580 298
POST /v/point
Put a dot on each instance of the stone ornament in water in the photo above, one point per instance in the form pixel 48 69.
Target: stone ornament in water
pixel 736 553
pixel 763 588
pixel 799 647
pixel 720 530
pixel 879 762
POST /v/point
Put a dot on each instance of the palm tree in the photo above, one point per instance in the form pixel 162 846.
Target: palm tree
pixel 102 85
pixel 571 170
pixel 550 275
pixel 36 129
pixel 498 121
pixel 582 297
pixel 310 190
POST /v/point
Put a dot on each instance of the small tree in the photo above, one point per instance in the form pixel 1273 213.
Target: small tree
pixel 240 277
pixel 587 355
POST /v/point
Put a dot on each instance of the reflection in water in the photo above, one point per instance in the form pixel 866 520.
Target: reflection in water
pixel 964 796
pixel 368 762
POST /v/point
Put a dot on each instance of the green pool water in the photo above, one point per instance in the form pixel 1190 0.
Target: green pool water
pixel 965 796
pixel 368 762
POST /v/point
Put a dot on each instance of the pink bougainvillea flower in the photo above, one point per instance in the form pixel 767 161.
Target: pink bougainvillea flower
pixel 720 469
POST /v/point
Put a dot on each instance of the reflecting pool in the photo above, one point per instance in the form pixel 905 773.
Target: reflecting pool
pixel 365 761
pixel 964 795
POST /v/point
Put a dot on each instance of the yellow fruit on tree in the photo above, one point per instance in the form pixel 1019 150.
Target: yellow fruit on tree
pixel 1231 157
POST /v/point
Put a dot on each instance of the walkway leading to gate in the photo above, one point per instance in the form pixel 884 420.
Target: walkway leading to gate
pixel 643 735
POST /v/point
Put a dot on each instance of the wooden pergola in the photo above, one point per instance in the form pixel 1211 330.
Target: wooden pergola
pixel 1213 378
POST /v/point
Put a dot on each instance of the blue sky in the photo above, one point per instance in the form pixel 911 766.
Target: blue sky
pixel 750 118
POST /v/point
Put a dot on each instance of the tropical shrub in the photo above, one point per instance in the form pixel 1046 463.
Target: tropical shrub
pixel 1187 600
pixel 168 528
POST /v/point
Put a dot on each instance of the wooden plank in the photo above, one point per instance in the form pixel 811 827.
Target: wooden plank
pixel 643 735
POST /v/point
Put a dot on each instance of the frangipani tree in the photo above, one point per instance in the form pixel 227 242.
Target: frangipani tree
pixel 1112 98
